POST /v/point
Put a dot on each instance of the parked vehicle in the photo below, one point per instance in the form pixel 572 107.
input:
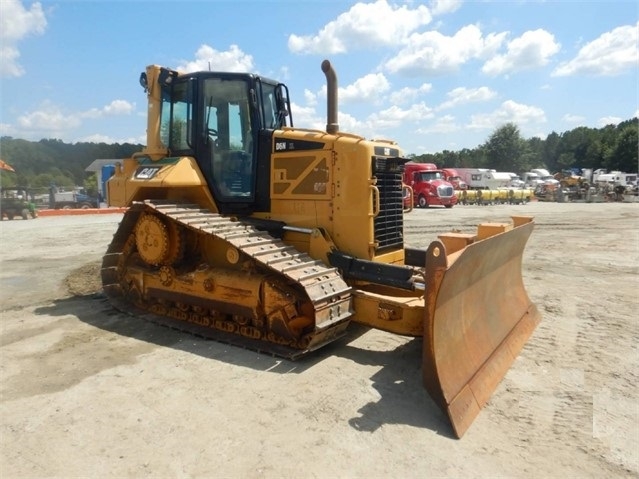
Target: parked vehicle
pixel 429 186
pixel 617 178
pixel 572 186
pixel 545 177
pixel 531 180
pixel 452 176
pixel 78 198
pixel 515 181
pixel 484 178
pixel 17 202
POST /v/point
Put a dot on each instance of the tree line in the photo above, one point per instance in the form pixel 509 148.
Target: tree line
pixel 613 147
pixel 39 164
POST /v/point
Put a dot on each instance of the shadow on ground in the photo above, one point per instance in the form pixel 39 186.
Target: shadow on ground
pixel 403 400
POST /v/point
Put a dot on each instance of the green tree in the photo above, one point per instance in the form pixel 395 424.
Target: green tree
pixel 533 154
pixel 550 153
pixel 91 185
pixel 8 178
pixel 506 150
pixel 623 155
pixel 64 163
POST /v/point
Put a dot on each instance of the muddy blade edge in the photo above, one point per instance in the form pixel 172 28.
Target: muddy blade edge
pixel 478 318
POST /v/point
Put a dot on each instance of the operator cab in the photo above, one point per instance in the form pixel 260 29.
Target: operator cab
pixel 226 121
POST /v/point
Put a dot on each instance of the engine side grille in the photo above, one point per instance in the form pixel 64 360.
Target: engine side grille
pixel 389 224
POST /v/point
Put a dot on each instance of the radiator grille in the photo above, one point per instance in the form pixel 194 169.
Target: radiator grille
pixel 389 224
pixel 445 191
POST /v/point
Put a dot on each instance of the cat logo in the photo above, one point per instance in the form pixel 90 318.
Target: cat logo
pixel 147 172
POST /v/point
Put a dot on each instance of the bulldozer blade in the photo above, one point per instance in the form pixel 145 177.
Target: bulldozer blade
pixel 478 317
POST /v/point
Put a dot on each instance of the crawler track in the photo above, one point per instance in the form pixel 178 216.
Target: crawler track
pixel 181 295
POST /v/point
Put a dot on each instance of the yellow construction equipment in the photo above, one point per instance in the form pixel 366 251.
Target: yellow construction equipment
pixel 245 229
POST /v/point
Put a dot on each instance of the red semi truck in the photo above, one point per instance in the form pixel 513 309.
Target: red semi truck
pixel 429 186
pixel 452 176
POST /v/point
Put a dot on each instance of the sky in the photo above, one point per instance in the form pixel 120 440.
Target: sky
pixel 433 76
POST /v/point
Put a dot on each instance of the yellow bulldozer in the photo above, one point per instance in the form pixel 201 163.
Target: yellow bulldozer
pixel 243 228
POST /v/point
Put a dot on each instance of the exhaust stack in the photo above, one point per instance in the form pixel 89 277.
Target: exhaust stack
pixel 331 97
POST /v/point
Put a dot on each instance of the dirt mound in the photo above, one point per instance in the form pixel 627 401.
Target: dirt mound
pixel 84 280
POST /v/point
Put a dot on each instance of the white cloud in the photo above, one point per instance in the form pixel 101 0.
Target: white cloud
pixel 509 112
pixel 364 25
pixel 48 119
pixel 115 108
pixel 307 117
pixel 119 107
pixel 16 23
pixel 99 138
pixel 8 129
pixel 372 127
pixel 408 94
pixel 609 120
pixel 350 124
pixel 9 66
pixel 432 53
pixel 396 116
pixel 439 7
pixel 463 95
pixel 368 88
pixel 574 119
pixel 51 121
pixel 309 97
pixel 531 50
pixel 444 124
pixel 284 74
pixel 209 59
pixel 611 54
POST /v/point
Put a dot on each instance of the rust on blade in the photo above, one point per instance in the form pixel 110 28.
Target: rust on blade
pixel 478 317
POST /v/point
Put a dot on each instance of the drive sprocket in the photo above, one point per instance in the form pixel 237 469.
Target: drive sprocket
pixel 158 243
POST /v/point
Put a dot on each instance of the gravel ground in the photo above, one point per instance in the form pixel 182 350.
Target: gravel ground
pixel 89 392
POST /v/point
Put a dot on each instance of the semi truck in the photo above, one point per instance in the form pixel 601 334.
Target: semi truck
pixel 452 176
pixel 428 185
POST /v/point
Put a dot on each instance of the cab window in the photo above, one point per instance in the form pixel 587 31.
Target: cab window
pixel 227 122
pixel 176 118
